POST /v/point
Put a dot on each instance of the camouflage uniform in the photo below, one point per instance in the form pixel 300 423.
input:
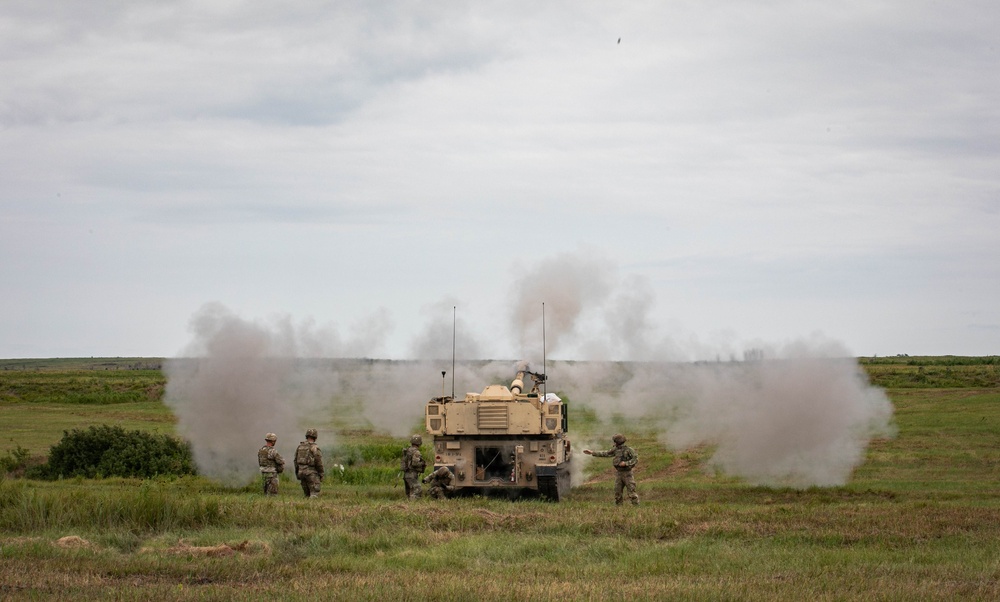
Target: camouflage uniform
pixel 309 465
pixel 413 466
pixel 624 480
pixel 271 465
pixel 442 483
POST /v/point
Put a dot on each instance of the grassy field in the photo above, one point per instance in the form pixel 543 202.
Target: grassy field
pixel 920 520
pixel 933 372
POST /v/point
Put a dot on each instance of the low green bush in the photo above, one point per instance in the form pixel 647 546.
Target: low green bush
pixel 107 451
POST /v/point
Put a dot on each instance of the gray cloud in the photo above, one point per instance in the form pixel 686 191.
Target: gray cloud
pixel 730 156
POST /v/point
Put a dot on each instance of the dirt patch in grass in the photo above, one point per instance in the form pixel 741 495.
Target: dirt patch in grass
pixel 182 548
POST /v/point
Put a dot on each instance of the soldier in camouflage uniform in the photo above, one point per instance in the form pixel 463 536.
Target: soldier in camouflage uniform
pixel 413 466
pixel 309 464
pixel 624 461
pixel 442 483
pixel 271 464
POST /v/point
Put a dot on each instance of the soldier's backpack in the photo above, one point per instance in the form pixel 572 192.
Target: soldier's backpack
pixel 408 462
pixel 304 455
pixel 262 457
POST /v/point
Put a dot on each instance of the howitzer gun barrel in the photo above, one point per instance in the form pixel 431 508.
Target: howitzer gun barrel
pixel 517 385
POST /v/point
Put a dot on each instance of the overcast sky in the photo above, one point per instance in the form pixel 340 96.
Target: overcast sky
pixel 717 174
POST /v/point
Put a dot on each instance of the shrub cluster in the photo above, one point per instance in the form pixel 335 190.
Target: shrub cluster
pixel 14 461
pixel 111 451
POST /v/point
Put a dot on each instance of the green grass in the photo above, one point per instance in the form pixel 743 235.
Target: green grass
pixel 38 426
pixel 920 520
pixel 81 387
pixel 933 372
pixel 70 364
pixel 749 544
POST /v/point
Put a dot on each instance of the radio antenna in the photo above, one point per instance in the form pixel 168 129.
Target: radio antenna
pixel 544 367
pixel 454 331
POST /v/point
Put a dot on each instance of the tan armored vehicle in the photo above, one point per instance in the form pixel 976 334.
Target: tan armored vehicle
pixel 503 440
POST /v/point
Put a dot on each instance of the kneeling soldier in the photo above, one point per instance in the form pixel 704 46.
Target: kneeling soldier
pixel 442 483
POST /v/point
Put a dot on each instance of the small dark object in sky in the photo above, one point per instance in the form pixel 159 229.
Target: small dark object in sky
pixel 619 40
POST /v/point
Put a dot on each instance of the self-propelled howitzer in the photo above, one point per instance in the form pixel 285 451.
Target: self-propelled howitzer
pixel 503 440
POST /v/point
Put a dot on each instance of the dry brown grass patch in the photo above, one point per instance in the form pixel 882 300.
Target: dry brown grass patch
pixel 73 541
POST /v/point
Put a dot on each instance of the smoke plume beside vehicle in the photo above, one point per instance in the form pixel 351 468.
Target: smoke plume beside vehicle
pixel 797 414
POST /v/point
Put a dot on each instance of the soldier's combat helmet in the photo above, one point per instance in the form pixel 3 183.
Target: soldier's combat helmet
pixel 618 439
pixel 312 434
pixel 416 440
pixel 270 437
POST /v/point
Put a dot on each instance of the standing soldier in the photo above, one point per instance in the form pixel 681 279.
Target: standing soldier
pixel 624 461
pixel 413 466
pixel 442 483
pixel 271 464
pixel 309 464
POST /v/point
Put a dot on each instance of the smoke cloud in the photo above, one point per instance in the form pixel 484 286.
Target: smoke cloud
pixel 568 285
pixel 799 414
pixel 795 421
pixel 445 334
pixel 239 380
